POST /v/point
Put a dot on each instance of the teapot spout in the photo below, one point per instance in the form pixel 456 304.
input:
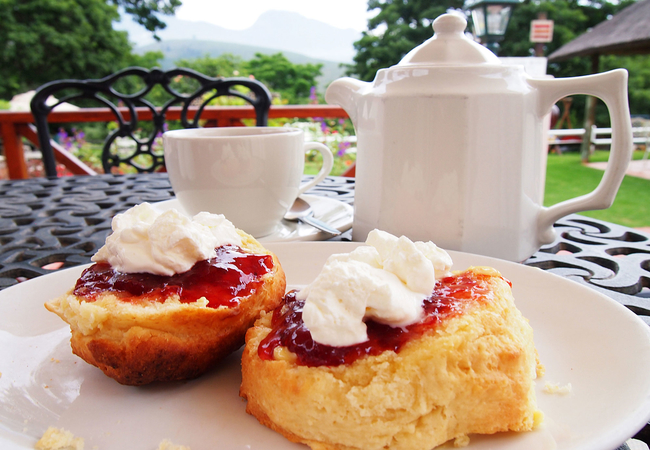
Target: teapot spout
pixel 345 92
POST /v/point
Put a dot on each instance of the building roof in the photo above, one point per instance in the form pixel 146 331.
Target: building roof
pixel 626 33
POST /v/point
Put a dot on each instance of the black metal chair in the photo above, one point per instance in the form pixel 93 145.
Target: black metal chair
pixel 145 155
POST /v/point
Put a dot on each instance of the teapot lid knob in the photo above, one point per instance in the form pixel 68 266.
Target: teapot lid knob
pixel 449 24
pixel 449 46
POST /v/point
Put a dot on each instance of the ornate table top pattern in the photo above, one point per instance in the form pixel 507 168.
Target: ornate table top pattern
pixel 612 259
pixel 66 220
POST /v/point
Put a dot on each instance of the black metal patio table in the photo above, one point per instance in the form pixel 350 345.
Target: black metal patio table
pixel 51 223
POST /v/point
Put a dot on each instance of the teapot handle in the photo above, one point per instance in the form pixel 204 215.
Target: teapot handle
pixel 611 88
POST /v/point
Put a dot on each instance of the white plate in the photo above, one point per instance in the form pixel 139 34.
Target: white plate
pixel 333 212
pixel 583 338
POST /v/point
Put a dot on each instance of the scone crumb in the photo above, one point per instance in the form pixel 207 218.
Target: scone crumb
pixel 555 388
pixel 166 444
pixel 59 439
pixel 461 441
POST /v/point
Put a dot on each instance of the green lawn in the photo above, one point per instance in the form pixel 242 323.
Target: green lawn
pixel 566 178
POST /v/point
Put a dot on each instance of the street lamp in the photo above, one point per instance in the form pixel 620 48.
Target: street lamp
pixel 490 19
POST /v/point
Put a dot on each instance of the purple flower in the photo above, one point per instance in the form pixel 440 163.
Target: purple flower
pixel 313 96
pixel 61 135
pixel 343 148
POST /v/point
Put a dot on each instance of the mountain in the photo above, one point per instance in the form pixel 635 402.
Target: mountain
pixel 193 48
pixel 278 30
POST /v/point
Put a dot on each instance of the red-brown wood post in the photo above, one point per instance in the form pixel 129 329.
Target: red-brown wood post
pixel 14 154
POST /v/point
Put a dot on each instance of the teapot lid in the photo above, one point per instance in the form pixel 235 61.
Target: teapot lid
pixel 449 46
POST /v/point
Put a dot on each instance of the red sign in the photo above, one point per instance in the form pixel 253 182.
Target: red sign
pixel 541 31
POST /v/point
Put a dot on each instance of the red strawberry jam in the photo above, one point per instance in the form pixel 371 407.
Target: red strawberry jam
pixel 451 297
pixel 231 274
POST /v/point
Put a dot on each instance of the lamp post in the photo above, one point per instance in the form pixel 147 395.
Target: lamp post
pixel 490 20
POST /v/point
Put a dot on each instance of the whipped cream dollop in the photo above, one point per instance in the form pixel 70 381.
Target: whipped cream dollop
pixel 387 280
pixel 164 243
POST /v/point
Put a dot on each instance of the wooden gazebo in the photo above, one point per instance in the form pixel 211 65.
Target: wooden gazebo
pixel 626 33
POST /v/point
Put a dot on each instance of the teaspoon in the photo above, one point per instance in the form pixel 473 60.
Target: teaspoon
pixel 302 211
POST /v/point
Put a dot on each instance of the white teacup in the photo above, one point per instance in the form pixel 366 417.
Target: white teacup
pixel 249 174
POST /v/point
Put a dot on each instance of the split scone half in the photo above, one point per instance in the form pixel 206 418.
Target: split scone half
pixel 469 366
pixel 138 330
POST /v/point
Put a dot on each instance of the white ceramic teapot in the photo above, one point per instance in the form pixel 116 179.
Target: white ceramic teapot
pixel 452 146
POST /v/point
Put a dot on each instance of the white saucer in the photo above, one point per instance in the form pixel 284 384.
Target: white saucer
pixel 333 212
pixel 583 338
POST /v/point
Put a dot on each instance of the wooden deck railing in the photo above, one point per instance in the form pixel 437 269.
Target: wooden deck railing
pixel 16 125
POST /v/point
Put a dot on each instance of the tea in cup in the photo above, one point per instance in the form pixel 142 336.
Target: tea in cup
pixel 251 175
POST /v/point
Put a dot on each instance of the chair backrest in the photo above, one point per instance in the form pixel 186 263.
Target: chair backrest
pixel 144 152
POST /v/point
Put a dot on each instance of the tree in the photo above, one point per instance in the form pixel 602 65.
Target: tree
pixel 571 19
pixel 224 65
pixel 638 67
pixel 144 11
pixel 293 81
pixel 147 60
pixel 45 40
pixel 406 23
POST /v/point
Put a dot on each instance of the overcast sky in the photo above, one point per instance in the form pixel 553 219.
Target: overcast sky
pixel 241 14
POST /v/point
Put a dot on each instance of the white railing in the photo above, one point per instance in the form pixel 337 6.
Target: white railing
pixel 603 136
pixel 599 136
pixel 571 136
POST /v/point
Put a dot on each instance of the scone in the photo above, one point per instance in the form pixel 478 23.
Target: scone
pixel 141 327
pixel 467 365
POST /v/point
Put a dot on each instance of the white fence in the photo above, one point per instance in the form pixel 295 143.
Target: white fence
pixel 599 136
